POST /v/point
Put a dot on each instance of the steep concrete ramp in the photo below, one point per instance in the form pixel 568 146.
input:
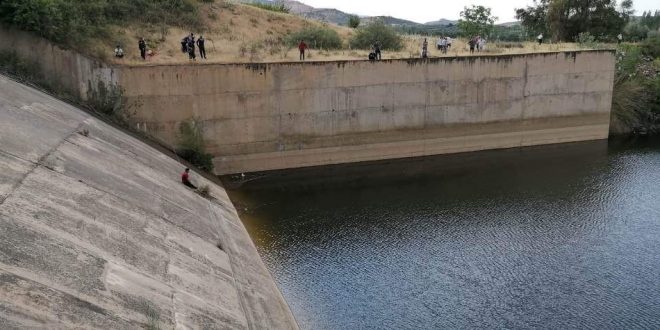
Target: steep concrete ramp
pixel 97 232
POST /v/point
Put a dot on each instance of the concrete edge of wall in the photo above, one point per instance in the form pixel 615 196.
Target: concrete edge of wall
pixel 412 61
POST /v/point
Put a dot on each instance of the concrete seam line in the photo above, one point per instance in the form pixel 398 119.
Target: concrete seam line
pixel 29 276
pixel 38 163
pixel 232 260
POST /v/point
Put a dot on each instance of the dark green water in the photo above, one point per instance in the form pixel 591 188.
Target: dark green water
pixel 553 237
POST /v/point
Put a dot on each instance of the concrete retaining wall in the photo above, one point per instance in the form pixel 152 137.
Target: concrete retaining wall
pixel 284 115
pixel 281 115
pixel 65 68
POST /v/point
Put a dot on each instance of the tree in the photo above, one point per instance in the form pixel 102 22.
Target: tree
pixel 353 21
pixel 377 31
pixel 650 20
pixel 566 19
pixel 635 31
pixel 476 20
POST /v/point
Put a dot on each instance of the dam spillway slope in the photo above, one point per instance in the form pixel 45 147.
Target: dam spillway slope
pixel 96 231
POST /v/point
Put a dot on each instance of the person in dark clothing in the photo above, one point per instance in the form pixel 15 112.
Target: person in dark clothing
pixel 143 48
pixel 184 44
pixel 185 179
pixel 472 43
pixel 200 45
pixel 377 50
pixel 301 47
pixel 191 47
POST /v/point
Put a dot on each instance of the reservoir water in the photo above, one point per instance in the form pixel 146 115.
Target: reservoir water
pixel 556 237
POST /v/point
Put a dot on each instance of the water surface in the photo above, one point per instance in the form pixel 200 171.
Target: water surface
pixel 553 237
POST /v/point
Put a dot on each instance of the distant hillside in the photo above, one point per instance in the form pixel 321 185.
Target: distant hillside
pixel 389 20
pixel 509 24
pixel 333 16
pixel 297 7
pixel 442 21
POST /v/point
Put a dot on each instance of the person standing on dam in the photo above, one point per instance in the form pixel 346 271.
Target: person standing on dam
pixel 425 49
pixel 301 47
pixel 185 179
pixel 200 45
pixel 191 47
pixel 142 45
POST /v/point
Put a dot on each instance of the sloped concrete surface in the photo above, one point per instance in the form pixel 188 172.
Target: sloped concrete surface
pixel 97 232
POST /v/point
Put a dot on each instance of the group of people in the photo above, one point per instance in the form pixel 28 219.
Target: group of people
pixel 142 46
pixel 477 43
pixel 444 44
pixel 188 44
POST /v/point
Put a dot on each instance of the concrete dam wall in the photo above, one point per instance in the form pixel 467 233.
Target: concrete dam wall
pixel 97 232
pixel 268 116
pixel 259 117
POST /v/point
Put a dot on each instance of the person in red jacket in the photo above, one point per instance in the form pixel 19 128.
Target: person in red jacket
pixel 185 179
pixel 301 47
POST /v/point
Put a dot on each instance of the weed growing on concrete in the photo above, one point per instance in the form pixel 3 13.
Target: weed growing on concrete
pixel 152 314
pixel 191 145
pixel 106 99
pixel 204 191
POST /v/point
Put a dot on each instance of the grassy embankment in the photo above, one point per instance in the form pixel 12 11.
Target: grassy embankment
pixel 234 32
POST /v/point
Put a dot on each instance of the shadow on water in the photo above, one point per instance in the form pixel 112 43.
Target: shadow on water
pixel 562 236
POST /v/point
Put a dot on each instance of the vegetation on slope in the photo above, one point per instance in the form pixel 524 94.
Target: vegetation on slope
pixel 276 7
pixel 74 22
pixel 636 95
pixel 379 32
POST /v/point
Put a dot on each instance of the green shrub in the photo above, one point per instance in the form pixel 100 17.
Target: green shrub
pixel 585 39
pixel 276 7
pixel 353 21
pixel 379 32
pixel 316 37
pixel 636 93
pixel 651 46
pixel 191 145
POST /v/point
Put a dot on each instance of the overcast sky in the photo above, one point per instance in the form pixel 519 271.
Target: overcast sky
pixel 423 11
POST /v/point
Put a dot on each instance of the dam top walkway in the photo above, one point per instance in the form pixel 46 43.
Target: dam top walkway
pixel 96 231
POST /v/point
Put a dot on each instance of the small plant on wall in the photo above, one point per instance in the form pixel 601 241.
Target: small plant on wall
pixel 191 145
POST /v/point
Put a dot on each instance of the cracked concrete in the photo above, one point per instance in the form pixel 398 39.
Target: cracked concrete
pixel 97 232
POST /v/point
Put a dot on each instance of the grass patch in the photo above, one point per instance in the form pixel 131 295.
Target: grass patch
pixel 276 7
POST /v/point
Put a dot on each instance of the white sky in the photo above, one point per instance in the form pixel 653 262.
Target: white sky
pixel 423 11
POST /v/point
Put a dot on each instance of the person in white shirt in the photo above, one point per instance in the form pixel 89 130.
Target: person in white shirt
pixel 444 45
pixel 619 38
pixel 119 52
pixel 482 44
pixel 540 38
pixel 448 42
pixel 439 44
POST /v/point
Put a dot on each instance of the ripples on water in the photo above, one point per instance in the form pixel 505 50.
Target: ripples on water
pixel 555 237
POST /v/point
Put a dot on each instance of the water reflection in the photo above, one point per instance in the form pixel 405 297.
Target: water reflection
pixel 553 237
